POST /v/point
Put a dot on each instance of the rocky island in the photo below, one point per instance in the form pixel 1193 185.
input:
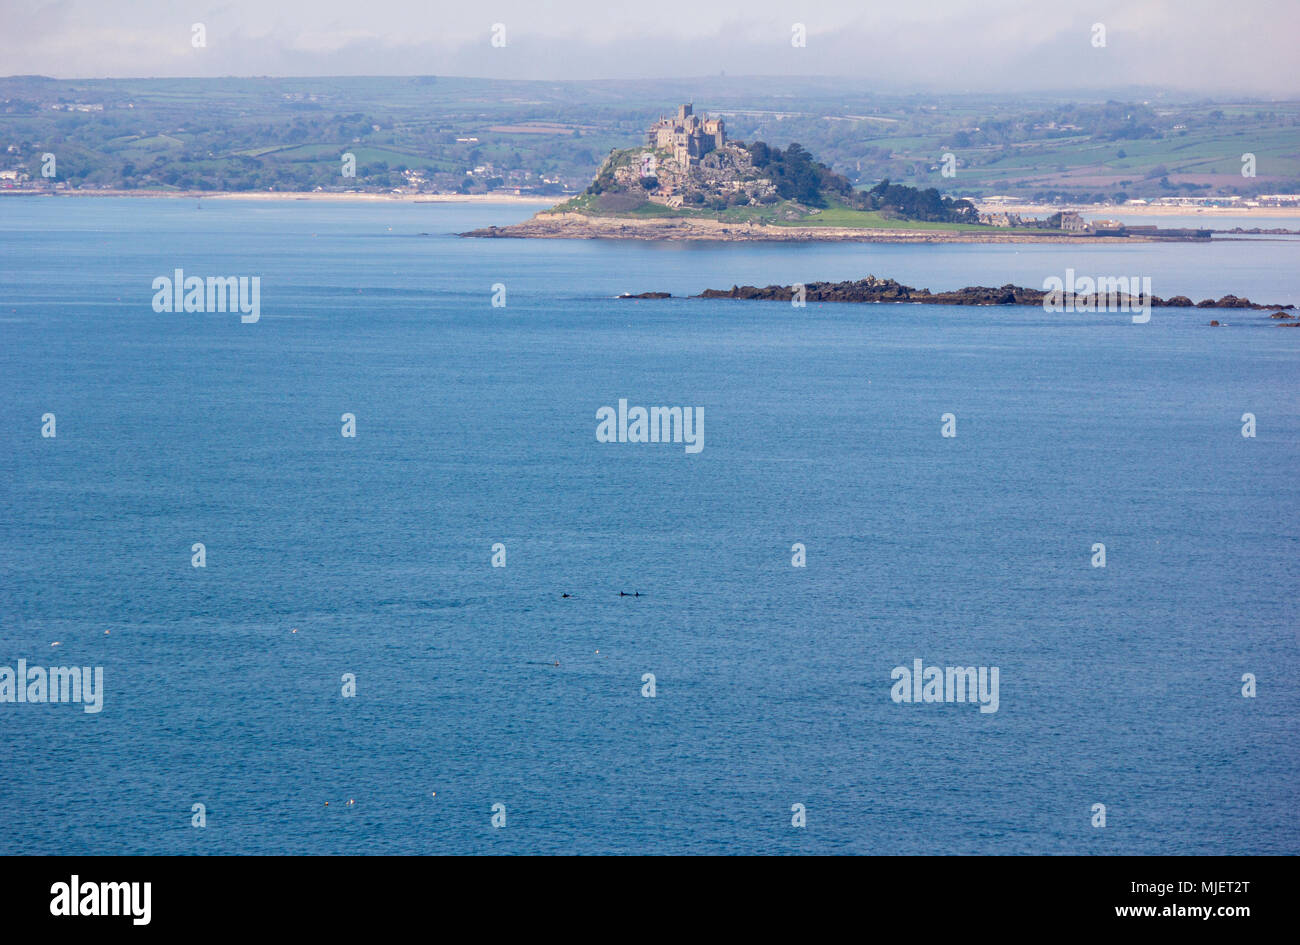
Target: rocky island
pixel 872 289
pixel 689 182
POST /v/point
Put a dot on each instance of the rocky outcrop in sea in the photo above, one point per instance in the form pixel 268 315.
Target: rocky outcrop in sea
pixel 872 289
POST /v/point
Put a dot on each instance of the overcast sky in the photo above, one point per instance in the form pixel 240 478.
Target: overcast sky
pixel 1223 46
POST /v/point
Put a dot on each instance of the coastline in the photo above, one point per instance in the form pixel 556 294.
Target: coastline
pixel 291 195
pixel 1146 211
pixel 580 226
pixel 370 197
pixel 548 201
pixel 884 235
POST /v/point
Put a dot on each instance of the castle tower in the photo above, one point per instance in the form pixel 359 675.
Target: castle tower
pixel 687 135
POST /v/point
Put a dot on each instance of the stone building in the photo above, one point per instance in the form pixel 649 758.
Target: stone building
pixel 1001 218
pixel 688 136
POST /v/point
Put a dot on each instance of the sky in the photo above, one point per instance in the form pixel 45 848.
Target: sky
pixel 1210 46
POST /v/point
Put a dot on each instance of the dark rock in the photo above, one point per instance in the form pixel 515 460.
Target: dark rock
pixel 646 295
pixel 491 232
pixel 872 289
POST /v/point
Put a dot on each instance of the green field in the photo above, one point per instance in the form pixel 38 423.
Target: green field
pixel 783 213
pixel 841 216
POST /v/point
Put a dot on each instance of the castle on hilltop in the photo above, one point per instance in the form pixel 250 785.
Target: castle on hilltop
pixel 687 135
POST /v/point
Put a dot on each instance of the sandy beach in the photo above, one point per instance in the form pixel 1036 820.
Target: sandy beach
pixel 1035 209
pixel 494 198
pixel 547 201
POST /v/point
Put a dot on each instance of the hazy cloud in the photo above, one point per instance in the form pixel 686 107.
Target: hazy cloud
pixel 995 45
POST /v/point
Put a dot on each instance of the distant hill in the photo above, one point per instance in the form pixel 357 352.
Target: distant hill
pixel 458 135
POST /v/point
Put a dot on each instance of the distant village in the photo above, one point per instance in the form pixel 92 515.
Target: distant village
pixel 1263 200
pixel 1073 223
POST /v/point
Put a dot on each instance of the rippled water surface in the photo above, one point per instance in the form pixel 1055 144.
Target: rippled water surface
pixel 476 425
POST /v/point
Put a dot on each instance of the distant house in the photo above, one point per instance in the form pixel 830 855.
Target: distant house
pixel 1197 201
pixel 1001 218
pixel 1071 222
pixel 1107 228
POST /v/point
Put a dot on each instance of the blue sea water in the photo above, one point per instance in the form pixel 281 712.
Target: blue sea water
pixel 476 425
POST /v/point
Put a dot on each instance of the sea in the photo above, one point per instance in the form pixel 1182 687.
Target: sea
pixel 474 627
